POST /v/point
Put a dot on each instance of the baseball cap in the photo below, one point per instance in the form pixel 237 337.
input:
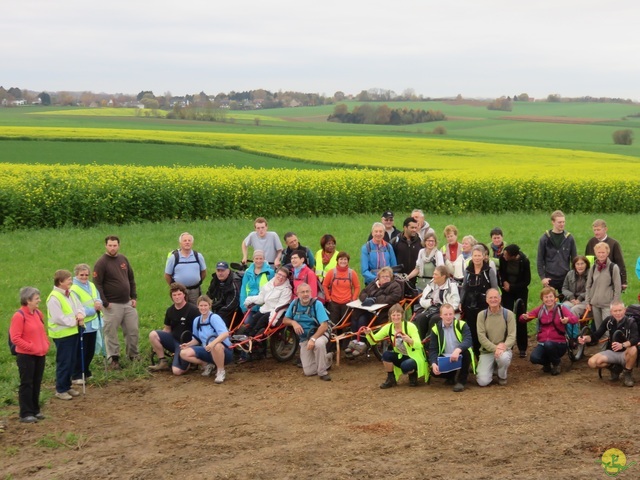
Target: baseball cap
pixel 387 214
pixel 222 266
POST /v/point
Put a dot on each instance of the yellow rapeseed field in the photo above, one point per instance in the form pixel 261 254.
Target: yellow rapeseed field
pixel 449 157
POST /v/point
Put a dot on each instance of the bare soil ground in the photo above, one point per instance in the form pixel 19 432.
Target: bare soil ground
pixel 269 421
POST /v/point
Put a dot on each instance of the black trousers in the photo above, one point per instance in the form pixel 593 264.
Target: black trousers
pixel 31 369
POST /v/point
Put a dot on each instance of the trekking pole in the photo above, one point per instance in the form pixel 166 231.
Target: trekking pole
pixel 104 350
pixel 84 380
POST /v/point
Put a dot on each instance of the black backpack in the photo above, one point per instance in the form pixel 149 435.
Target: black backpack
pixel 12 346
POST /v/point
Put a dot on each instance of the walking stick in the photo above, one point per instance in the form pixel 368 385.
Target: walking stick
pixel 84 380
pixel 104 349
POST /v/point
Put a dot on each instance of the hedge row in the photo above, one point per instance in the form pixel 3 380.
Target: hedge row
pixel 52 196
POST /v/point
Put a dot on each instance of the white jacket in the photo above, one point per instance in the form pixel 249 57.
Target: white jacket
pixel 271 296
pixel 450 295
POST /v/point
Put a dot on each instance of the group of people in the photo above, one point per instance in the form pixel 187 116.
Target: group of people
pixel 468 294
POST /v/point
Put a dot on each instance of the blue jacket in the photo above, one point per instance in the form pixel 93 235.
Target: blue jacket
pixel 373 257
pixel 251 283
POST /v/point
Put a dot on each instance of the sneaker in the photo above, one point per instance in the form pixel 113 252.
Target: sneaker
pixel 239 338
pixel 208 370
pixel 77 381
pixel 627 377
pixel 40 416
pixel 502 382
pixel 523 354
pixel 458 387
pixel 73 393
pixel 555 370
pixel 350 347
pixel 160 366
pixel 220 376
pixel 63 396
pixel 359 349
pixel 29 419
pixel 326 377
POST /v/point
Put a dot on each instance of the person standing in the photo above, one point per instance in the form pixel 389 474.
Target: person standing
pixel 615 251
pixel 406 247
pixel 186 266
pixel 390 230
pixel 556 250
pixel 88 296
pixel 423 225
pixel 65 316
pixel 261 239
pixel 514 278
pixel 114 279
pixel 28 335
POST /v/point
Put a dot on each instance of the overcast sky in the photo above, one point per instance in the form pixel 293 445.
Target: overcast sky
pixel 478 48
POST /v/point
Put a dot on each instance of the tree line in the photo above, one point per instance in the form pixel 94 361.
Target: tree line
pixel 383 115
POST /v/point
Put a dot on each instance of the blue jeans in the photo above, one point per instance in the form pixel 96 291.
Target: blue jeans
pixel 168 342
pixel 548 353
pixel 404 363
pixel 66 350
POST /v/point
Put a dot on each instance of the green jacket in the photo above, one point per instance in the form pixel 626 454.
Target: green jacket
pixel 415 351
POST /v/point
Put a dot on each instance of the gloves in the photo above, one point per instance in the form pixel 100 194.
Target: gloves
pixel 368 301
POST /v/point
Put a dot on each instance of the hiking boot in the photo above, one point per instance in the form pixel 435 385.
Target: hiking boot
pixel 208 370
pixel 555 370
pixel 413 379
pixel 326 377
pixel 389 382
pixel 220 376
pixel 63 396
pixel 114 363
pixel 615 370
pixel 73 393
pixel 162 365
pixel 450 381
pixel 627 378
pixel 29 419
pixel 458 387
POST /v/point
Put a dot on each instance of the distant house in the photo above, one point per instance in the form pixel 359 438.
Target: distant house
pixel 294 103
pixel 18 103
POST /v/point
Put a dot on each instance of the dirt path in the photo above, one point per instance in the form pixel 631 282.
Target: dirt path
pixel 268 421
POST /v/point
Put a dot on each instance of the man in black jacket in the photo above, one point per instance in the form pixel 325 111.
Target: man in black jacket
pixel 514 279
pixel 622 352
pixel 224 292
pixel 407 247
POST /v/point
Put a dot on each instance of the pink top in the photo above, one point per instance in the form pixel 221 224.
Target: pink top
pixel 28 333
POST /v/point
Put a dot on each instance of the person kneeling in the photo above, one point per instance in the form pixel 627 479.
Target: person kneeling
pixel 310 321
pixel 621 353
pixel 210 343
pixel 497 335
pixel 407 355
pixel 451 338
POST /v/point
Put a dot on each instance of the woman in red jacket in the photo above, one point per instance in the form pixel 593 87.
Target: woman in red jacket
pixel 28 334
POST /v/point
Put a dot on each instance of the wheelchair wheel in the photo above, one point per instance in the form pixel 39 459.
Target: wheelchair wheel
pixel 379 348
pixel 284 344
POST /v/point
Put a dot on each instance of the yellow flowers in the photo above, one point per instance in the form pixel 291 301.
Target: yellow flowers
pixel 51 196
pixel 456 159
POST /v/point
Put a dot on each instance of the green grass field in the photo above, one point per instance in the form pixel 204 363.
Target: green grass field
pixel 147 245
